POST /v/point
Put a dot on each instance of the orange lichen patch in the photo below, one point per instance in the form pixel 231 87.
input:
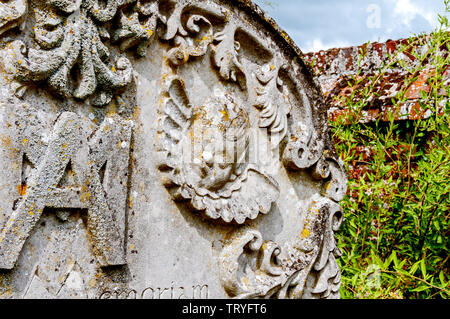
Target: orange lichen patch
pixel 86 195
pixel 130 201
pixel 136 113
pixel 22 189
pixel 92 283
pixel 225 115
pixel 6 140
pixel 417 112
pixel 305 233
pixel 419 85
pixel 6 293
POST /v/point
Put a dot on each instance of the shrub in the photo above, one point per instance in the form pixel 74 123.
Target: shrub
pixel 395 237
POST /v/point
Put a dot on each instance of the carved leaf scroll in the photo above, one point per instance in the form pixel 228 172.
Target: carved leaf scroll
pixel 12 13
pixel 195 46
pixel 66 41
pixel 132 32
pixel 304 268
pixel 226 53
pixel 272 103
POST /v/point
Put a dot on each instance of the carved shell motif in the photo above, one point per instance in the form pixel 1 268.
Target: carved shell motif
pixel 199 146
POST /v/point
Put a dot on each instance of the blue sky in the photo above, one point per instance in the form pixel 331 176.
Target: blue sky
pixel 322 24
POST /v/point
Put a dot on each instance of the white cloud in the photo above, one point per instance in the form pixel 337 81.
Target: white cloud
pixel 406 11
pixel 318 45
pixel 324 24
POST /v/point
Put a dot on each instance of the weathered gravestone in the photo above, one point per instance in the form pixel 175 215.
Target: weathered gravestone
pixel 162 149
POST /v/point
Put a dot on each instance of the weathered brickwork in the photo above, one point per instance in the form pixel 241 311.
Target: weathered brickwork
pixel 343 72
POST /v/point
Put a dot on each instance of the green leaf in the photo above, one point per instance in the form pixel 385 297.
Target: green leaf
pixel 423 269
pixel 421 288
pixel 441 277
pixel 414 268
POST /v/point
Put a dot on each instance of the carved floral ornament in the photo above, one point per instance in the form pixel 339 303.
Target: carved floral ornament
pixel 83 50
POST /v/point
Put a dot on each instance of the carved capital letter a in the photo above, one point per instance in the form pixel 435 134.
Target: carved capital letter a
pixel 109 149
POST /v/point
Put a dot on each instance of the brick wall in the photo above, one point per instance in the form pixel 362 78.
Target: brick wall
pixel 346 71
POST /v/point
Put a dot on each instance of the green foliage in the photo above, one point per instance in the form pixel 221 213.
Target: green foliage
pixel 395 238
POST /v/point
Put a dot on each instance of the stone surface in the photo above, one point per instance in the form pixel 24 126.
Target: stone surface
pixel 162 149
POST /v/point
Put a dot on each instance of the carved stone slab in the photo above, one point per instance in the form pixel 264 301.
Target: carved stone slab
pixel 162 149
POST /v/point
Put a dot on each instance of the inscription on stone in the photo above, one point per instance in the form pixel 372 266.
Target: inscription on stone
pixel 164 141
pixel 172 292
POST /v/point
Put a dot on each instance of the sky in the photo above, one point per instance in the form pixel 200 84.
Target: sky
pixel 322 24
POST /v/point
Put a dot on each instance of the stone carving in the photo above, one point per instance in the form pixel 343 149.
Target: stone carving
pixel 303 268
pixel 68 35
pixel 12 14
pixel 131 32
pixel 226 53
pixel 226 119
pixel 204 152
pixel 46 186
pixel 273 103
